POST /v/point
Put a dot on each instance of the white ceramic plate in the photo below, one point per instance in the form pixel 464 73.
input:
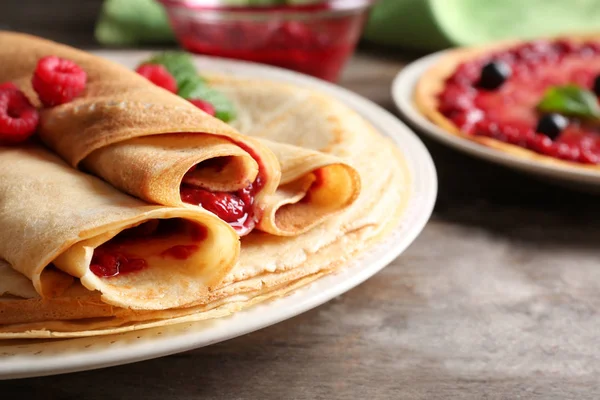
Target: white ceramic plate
pixel 27 359
pixel 402 92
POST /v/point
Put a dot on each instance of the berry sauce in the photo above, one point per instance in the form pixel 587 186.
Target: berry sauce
pixel 508 113
pixel 318 47
pixel 112 258
pixel 108 263
pixel 238 208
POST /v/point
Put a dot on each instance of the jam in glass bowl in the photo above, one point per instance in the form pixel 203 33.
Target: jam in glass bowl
pixel 316 38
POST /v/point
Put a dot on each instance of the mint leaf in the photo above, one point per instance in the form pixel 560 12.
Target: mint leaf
pixel 570 100
pixel 190 85
pixel 178 63
pixel 197 89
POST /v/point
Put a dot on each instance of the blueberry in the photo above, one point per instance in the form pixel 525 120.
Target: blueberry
pixel 494 74
pixel 596 87
pixel 552 125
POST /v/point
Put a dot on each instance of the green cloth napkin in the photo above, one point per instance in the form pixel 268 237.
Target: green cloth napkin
pixel 435 24
pixel 133 22
pixel 424 25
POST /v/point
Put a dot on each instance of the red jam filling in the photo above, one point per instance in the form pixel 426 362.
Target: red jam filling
pixel 509 113
pixel 317 47
pixel 112 258
pixel 235 208
pixel 238 208
pixel 108 262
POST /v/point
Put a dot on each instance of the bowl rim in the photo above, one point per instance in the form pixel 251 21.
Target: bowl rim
pixel 324 6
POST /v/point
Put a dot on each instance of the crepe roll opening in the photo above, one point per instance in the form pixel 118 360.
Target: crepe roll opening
pixel 225 173
pixel 214 186
pixel 306 201
pixel 152 260
pixel 140 247
pixel 332 186
pixel 156 167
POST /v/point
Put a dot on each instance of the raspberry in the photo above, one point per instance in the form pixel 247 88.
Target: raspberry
pixel 158 75
pixel 8 85
pixel 58 81
pixel 204 106
pixel 18 118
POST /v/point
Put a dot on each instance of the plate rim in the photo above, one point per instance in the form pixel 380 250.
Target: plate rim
pixel 402 91
pixel 419 209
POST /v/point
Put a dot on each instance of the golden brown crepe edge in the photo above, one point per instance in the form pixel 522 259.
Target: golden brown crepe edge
pixel 292 218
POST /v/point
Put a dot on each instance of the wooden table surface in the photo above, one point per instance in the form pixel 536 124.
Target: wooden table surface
pixel 498 298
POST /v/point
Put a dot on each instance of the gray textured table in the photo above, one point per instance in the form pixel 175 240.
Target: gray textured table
pixel 499 297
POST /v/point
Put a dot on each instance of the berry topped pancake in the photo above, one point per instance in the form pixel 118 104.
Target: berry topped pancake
pixel 536 99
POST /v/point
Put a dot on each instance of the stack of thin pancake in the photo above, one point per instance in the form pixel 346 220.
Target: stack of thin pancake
pixel 102 229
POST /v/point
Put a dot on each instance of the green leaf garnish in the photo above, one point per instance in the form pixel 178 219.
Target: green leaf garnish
pixel 570 100
pixel 178 63
pixel 197 89
pixel 190 85
pixel 194 89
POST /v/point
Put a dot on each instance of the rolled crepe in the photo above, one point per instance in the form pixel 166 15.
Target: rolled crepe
pixel 309 135
pixel 59 225
pixel 160 148
pixel 314 186
pixel 269 266
pixel 144 140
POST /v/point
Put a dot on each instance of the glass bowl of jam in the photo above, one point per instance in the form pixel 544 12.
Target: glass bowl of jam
pixel 313 37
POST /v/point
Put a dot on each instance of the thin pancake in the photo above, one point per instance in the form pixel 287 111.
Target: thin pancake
pixel 314 186
pixel 239 293
pixel 271 266
pixel 115 128
pixel 51 213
